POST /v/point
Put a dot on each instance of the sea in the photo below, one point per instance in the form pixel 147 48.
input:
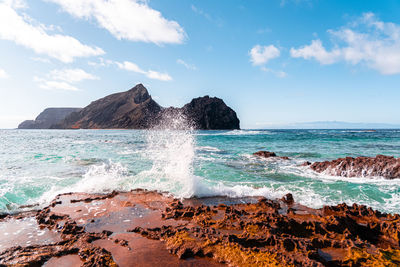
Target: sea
pixel 37 165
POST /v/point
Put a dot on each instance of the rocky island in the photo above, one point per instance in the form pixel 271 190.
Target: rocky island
pixel 135 109
pixel 47 118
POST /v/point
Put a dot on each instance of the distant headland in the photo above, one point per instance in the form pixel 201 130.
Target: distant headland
pixel 135 109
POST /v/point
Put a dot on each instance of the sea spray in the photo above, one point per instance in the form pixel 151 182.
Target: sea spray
pixel 171 149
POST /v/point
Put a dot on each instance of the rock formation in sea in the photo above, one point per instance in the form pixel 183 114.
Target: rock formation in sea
pixel 379 166
pixel 135 109
pixel 268 154
pixel 210 113
pixel 47 117
pixel 144 228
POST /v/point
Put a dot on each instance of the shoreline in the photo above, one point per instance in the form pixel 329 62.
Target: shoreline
pixel 149 228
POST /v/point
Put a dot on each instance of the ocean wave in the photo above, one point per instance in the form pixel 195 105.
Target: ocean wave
pixel 358 131
pixel 102 178
pixel 208 148
pixel 236 132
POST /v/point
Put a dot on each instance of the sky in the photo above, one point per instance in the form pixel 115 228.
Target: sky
pixel 274 62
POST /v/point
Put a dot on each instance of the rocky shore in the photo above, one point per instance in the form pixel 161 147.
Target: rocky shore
pixel 379 166
pixel 143 228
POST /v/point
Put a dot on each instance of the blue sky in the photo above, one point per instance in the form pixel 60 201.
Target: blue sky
pixel 274 62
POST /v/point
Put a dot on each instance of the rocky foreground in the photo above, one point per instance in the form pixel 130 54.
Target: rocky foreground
pixel 142 228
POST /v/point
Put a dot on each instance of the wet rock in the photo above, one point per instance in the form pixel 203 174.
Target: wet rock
pixel 288 199
pixel 382 166
pixel 261 233
pixel 267 154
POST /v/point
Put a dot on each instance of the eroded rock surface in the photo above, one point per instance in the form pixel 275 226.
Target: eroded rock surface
pixel 142 228
pixel 382 166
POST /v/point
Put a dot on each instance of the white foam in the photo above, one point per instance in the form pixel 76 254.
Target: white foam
pixel 98 179
pixel 208 148
pixel 305 171
pixel 236 132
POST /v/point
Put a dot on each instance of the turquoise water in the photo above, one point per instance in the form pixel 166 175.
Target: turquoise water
pixel 36 165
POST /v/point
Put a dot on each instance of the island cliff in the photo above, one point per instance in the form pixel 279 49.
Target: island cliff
pixel 135 109
pixel 47 118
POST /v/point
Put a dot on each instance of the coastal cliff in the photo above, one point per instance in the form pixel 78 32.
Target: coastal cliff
pixel 135 109
pixel 47 118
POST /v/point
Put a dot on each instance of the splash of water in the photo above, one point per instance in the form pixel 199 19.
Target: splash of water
pixel 171 149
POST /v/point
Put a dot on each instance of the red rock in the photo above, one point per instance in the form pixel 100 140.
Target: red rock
pixel 382 166
pixel 119 228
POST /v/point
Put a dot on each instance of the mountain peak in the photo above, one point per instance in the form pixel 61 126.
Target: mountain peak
pixel 139 93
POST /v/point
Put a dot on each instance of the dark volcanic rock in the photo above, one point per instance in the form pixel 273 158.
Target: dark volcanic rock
pixel 211 113
pixel 47 118
pixel 132 109
pixel 135 109
pixel 384 166
pixel 267 154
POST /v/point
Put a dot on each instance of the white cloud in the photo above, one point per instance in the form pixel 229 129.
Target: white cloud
pixel 187 65
pixel 3 74
pixel 367 41
pixel 16 4
pixel 72 75
pixel 101 63
pixel 62 47
pixel 41 59
pixel 63 79
pixel 277 73
pixel 132 20
pixel 130 66
pixel 126 65
pixel 158 76
pixel 317 51
pixel 260 55
pixel 54 85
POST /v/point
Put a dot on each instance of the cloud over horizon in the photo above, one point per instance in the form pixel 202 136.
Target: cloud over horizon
pixel 367 41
